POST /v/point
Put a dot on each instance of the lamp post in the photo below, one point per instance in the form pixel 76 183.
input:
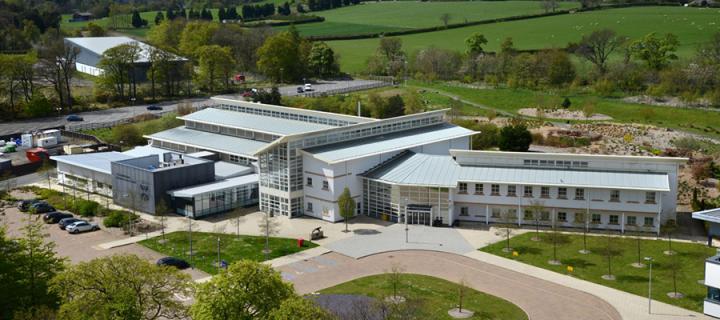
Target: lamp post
pixel 650 261
pixel 190 237
pixel 407 230
pixel 218 254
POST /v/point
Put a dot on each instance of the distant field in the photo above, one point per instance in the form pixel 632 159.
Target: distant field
pixel 393 16
pixel 692 25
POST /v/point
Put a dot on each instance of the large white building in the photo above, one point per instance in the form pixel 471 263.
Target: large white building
pixel 420 166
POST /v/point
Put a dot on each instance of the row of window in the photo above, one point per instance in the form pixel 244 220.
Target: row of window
pixel 555 163
pixel 562 192
pixel 562 216
pixel 325 184
pixel 287 115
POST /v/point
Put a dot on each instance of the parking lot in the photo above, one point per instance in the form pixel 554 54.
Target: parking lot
pixel 82 247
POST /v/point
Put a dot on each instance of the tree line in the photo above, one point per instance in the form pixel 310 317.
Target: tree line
pixel 319 5
pixel 648 65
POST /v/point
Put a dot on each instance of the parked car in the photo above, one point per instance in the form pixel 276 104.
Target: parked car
pixel 154 107
pixel 300 90
pixel 42 207
pixel 247 94
pixel 308 87
pixel 74 117
pixel 173 262
pixel 63 223
pixel 24 205
pixel 55 217
pixel 81 226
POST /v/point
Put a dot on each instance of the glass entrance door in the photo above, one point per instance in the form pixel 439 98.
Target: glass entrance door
pixel 419 217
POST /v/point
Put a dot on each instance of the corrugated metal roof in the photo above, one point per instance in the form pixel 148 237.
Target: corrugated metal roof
pixel 711 215
pixel 253 122
pixel 210 141
pixel 214 186
pixel 363 147
pixel 142 151
pixel 99 45
pixel 225 170
pixel 436 170
pixel 99 161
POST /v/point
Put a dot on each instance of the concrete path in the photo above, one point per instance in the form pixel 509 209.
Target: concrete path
pixel 392 238
pixel 539 298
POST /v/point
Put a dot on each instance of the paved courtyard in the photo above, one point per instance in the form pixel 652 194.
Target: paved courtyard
pixel 367 242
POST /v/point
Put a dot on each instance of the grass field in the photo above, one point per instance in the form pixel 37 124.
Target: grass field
pixel 437 296
pixel 592 266
pixel 232 248
pixel 692 26
pixel 372 17
pixel 692 120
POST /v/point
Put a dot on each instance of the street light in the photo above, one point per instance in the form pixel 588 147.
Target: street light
pixel 650 261
pixel 405 202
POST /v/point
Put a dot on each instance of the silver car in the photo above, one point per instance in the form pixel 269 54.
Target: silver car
pixel 81 226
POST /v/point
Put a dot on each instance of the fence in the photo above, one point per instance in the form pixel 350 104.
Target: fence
pixel 361 87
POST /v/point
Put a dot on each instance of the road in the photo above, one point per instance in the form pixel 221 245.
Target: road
pixel 107 115
pixel 326 86
pixel 539 298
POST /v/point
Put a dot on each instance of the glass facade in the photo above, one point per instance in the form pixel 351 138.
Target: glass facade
pixel 386 201
pixel 218 201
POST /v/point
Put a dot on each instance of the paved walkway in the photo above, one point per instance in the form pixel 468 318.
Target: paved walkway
pixel 540 299
pixel 392 238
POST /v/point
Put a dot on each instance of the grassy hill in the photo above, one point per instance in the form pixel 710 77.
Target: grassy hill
pixel 403 15
pixel 691 25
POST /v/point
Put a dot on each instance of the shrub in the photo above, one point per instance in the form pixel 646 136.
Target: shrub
pixel 118 218
pixel 604 87
pixel 85 208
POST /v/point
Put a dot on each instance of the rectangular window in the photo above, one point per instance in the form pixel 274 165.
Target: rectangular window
pixel 495 189
pixel 464 211
pixel 309 207
pixel 528 192
pixel 326 185
pixel 562 216
pixel 650 197
pixel 545 192
pixel 511 192
pixel 649 221
pixel 614 219
pixel 579 194
pixel 309 182
pixel 615 195
pixel 495 213
pixel 631 220
pixel 562 193
pixel 462 187
pixel 479 188
pixel 596 218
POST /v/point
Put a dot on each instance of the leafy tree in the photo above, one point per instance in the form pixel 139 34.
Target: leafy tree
pixel 167 35
pixel 159 17
pixel 121 287
pixel 559 69
pixel 347 206
pixel 246 290
pixel 282 57
pixel 395 279
pixel 127 135
pixel 298 308
pixel 215 66
pixel 475 44
pixel 413 103
pixel 598 46
pixel 38 106
pixel 322 61
pixel 119 65
pixel 195 35
pixel 657 52
pixel 95 30
pixel 516 138
pixel 137 21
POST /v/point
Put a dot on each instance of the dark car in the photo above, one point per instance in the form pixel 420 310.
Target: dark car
pixel 173 262
pixel 154 107
pixel 300 90
pixel 55 217
pixel 66 222
pixel 74 117
pixel 24 205
pixel 41 207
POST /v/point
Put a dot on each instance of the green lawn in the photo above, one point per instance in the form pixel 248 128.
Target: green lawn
pixel 370 17
pixel 437 296
pixel 691 25
pixel 692 120
pixel 592 266
pixel 232 248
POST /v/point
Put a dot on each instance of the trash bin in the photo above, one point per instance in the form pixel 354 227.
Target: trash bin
pixel 301 241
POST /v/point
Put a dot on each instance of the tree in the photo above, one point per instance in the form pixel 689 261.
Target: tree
pixel 668 229
pixel 675 266
pixel 516 138
pixel 298 308
pixel 282 57
pixel 121 287
pixel 95 30
pixel 395 280
pixel 657 52
pixel 549 5
pixel 159 17
pixel 637 231
pixel 161 212
pixel 462 289
pixel 195 35
pixel 609 252
pixel 322 61
pixel 246 290
pixel 536 209
pixel 475 44
pixel 137 21
pixel 588 109
pixel 556 238
pixel 119 66
pixel 347 206
pixel 413 103
pixel 584 221
pixel 445 18
pixel 269 227
pixel 215 66
pixel 598 46
pixel 507 222
pixel 47 169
